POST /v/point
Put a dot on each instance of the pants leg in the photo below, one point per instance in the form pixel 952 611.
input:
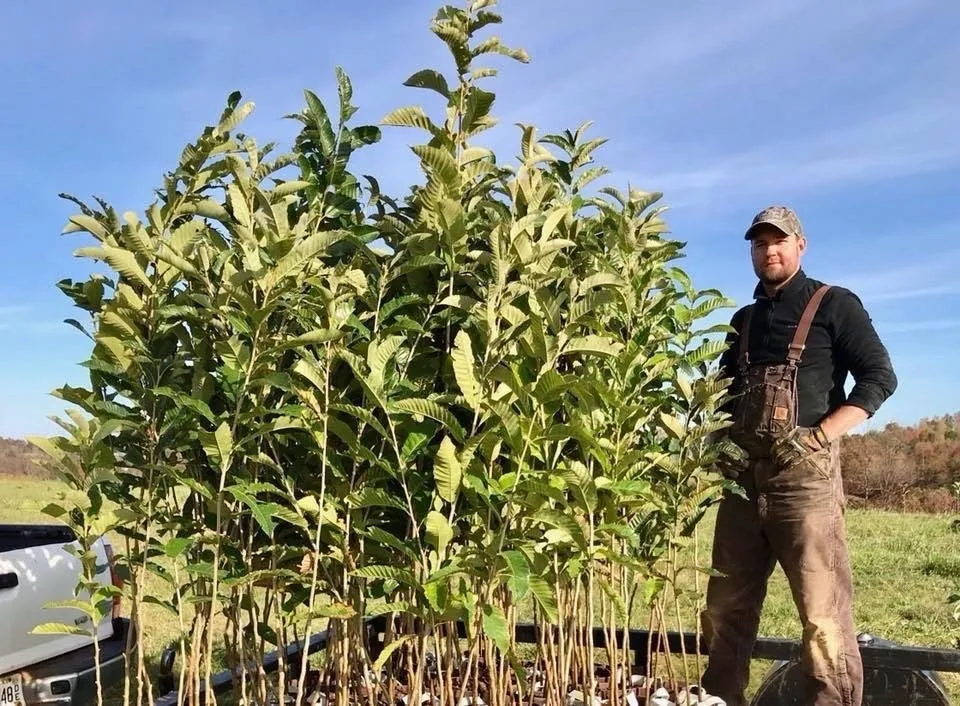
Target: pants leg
pixel 732 616
pixel 806 530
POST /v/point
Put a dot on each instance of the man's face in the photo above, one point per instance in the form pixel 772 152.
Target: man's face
pixel 776 256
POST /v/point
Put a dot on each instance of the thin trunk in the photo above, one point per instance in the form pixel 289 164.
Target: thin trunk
pixel 676 602
pixel 591 672
pixel 668 657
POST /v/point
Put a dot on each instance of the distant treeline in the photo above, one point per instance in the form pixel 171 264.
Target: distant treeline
pixel 912 468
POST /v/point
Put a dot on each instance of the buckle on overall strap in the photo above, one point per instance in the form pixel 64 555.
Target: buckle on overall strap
pixel 744 347
pixel 794 351
pixel 796 347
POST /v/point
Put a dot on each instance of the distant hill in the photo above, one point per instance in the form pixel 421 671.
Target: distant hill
pixel 19 458
pixel 914 468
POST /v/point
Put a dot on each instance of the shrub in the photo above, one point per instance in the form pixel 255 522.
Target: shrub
pixel 314 404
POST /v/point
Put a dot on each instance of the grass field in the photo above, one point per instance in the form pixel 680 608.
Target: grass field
pixel 904 568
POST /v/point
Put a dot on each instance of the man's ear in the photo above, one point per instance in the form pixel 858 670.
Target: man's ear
pixel 802 244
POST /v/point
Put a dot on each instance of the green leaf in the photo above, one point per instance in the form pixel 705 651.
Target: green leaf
pixel 410 116
pixel 319 120
pixel 552 221
pixel 234 117
pixel 262 512
pixel 177 546
pixel 709 351
pixel 518 580
pixel 600 279
pixel 238 202
pixel 287 188
pixel 345 94
pixel 166 255
pixel 495 627
pixel 392 607
pixel 135 237
pixel 374 497
pixel 652 588
pixel 429 79
pixel 311 338
pixel 385 572
pixel 389 649
pixel 383 537
pixel 620 530
pixel 302 254
pixel 125 262
pixel 439 531
pixel 440 162
pixel 429 408
pixel 117 350
pixel 459 301
pixel 379 354
pixel 463 363
pixel 599 345
pixel 543 595
pixel 218 446
pixel 673 425
pixel 619 605
pixel 84 223
pixel 447 473
pixel 59 629
pixel 494 45
pixel 207 208
pixel 70 604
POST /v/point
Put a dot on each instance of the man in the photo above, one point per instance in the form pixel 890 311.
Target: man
pixel 788 362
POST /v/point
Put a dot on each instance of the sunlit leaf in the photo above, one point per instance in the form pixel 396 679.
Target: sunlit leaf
pixel 447 473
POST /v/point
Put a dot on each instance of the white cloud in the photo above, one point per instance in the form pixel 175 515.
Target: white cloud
pixel 919 293
pixel 917 326
pixel 927 278
pixel 899 144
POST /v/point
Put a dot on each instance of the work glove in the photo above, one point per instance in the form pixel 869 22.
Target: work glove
pixel 732 460
pixel 797 444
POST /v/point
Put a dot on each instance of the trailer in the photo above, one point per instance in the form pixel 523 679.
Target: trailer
pixel 893 673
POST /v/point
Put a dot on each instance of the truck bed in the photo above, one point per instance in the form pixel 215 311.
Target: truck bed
pixel 71 678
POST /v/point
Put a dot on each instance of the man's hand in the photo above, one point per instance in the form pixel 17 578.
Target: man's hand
pixel 731 459
pixel 798 443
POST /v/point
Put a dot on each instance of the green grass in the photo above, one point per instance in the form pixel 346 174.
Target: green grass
pixel 904 568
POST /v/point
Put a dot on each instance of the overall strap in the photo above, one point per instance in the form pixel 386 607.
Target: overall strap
pixel 745 338
pixel 803 328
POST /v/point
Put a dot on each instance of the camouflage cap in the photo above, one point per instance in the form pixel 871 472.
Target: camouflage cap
pixel 780 217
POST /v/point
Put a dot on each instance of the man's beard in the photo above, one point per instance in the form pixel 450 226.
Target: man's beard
pixel 776 278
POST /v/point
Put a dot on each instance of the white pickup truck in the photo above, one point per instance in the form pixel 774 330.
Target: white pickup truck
pixel 35 569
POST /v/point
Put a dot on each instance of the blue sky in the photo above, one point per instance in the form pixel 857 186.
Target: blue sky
pixel 848 112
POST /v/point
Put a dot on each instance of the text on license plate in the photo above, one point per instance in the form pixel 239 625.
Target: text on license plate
pixel 11 691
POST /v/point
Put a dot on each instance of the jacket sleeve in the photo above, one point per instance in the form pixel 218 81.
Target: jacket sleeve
pixel 860 350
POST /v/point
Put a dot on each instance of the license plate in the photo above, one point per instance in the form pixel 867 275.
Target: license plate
pixel 11 691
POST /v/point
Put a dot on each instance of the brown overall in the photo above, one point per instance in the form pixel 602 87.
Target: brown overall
pixel 793 516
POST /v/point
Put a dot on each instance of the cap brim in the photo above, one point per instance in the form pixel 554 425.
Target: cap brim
pixel 751 231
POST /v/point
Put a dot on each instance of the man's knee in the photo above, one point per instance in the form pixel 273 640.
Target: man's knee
pixel 823 647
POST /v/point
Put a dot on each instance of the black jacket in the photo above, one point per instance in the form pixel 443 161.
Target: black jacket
pixel 842 341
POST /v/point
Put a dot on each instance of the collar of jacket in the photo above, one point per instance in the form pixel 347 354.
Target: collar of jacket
pixel 792 289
